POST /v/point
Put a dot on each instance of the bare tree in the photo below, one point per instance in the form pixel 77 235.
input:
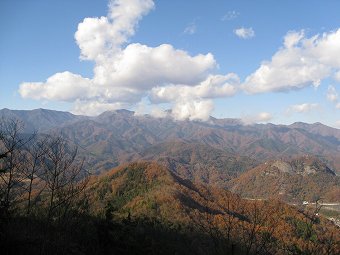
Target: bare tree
pixel 47 167
pixel 64 177
pixel 229 204
pixel 258 231
pixel 12 142
pixel 31 168
pixel 219 219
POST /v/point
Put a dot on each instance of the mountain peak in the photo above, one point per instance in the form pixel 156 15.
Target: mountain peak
pixel 122 112
pixel 303 165
pixel 302 178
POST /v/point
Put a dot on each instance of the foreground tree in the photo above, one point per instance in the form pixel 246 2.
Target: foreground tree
pixel 12 143
pixel 32 168
pixel 42 168
pixel 64 176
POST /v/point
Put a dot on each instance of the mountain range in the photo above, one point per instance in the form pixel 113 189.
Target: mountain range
pixel 213 152
pixel 116 137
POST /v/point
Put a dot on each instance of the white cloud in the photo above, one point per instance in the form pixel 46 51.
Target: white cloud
pixel 124 73
pixel 230 15
pixel 142 67
pixel 192 110
pixel 258 118
pixel 141 108
pixel 190 29
pixel 212 87
pixel 158 112
pixel 126 78
pixel 64 86
pixel 144 107
pixel 302 108
pixel 101 37
pixel 244 33
pixel 337 124
pixel 337 76
pixel 193 102
pixel 92 108
pixel 299 63
pixel 332 95
pixel 292 38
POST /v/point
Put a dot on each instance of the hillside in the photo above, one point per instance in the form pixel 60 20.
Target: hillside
pixel 197 162
pixel 300 179
pixel 143 189
pixel 149 191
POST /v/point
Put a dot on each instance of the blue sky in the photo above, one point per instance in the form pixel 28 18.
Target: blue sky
pixel 262 61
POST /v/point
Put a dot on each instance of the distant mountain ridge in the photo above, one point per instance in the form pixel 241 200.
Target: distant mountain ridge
pixel 40 120
pixel 114 137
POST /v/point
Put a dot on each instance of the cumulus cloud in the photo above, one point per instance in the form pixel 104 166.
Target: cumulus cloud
pixel 64 86
pixel 125 73
pixel 212 87
pixel 302 108
pixel 142 67
pixel 98 38
pixel 192 110
pixel 194 102
pixel 299 63
pixel 258 118
pixel 95 107
pixel 332 94
pixel 244 33
pixel 292 38
pixel 125 78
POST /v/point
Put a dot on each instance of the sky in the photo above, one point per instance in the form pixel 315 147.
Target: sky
pixel 260 61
